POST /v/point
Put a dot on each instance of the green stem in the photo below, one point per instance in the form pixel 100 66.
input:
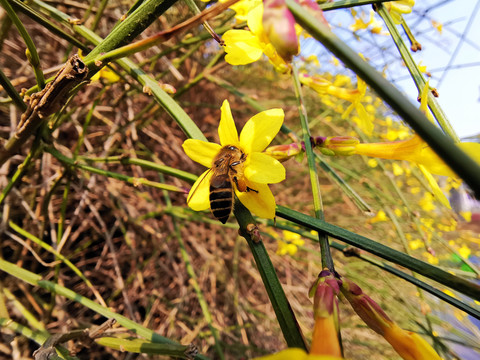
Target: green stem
pixel 457 159
pixel 167 170
pixel 414 44
pixel 36 280
pixel 327 261
pixel 128 179
pixel 31 52
pixel 416 73
pixel 344 4
pixel 194 8
pixel 384 266
pixel 46 23
pixel 99 14
pixel 10 90
pixel 131 27
pixel 144 347
pixel 20 170
pixel 62 258
pixel 283 311
pixel 200 76
pixel 432 272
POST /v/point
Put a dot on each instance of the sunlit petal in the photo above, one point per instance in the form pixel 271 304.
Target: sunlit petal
pixel 260 130
pixel 226 130
pixel 254 20
pixel 262 203
pixel 242 47
pixel 198 197
pixel 439 195
pixel 200 151
pixel 296 354
pixel 264 169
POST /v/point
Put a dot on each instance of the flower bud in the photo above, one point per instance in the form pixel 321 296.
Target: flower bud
pixel 409 345
pixel 284 152
pixel 325 308
pixel 279 25
pixel 365 307
pixel 340 145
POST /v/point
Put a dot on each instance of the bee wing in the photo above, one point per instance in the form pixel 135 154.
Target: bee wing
pixel 198 197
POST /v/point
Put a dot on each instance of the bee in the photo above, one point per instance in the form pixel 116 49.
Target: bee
pixel 227 169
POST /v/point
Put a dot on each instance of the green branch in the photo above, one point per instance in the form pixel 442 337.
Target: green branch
pixel 432 272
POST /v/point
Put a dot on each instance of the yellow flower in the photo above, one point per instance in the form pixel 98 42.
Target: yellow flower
pixel 416 244
pixel 437 25
pixel 247 46
pixel 380 217
pixel 372 163
pixel 289 243
pixel 256 170
pixel 426 203
pixel 375 26
pixel 243 7
pixel 417 151
pixel 325 87
pixel 432 259
pixel 397 169
pixel 296 354
pixel 464 252
pixel 360 22
pixel 397 8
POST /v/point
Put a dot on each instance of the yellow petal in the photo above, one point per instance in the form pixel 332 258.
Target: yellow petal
pixel 260 130
pixel 262 203
pixel 296 354
pixel 287 354
pixel 439 195
pixel 365 123
pixel 325 337
pixel 201 151
pixel 254 20
pixel 409 346
pixel 242 47
pixel 226 130
pixel 264 169
pixel 199 196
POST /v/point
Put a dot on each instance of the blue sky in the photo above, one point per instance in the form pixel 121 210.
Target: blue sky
pixel 456 77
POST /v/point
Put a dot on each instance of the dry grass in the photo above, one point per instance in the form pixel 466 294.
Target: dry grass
pixel 120 236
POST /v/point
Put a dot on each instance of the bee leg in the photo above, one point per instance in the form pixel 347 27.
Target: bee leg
pixel 250 189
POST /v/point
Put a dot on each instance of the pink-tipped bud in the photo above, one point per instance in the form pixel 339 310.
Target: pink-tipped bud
pixel 338 145
pixel 284 152
pixel 325 291
pixel 325 307
pixel 365 307
pixel 279 25
pixel 408 345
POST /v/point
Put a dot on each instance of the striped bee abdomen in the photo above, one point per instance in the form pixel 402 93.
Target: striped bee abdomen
pixel 221 197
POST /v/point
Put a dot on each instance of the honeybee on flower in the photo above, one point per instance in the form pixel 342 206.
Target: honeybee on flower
pixel 237 165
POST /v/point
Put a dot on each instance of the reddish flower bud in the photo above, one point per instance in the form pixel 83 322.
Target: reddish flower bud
pixel 409 345
pixel 283 152
pixel 325 307
pixel 279 25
